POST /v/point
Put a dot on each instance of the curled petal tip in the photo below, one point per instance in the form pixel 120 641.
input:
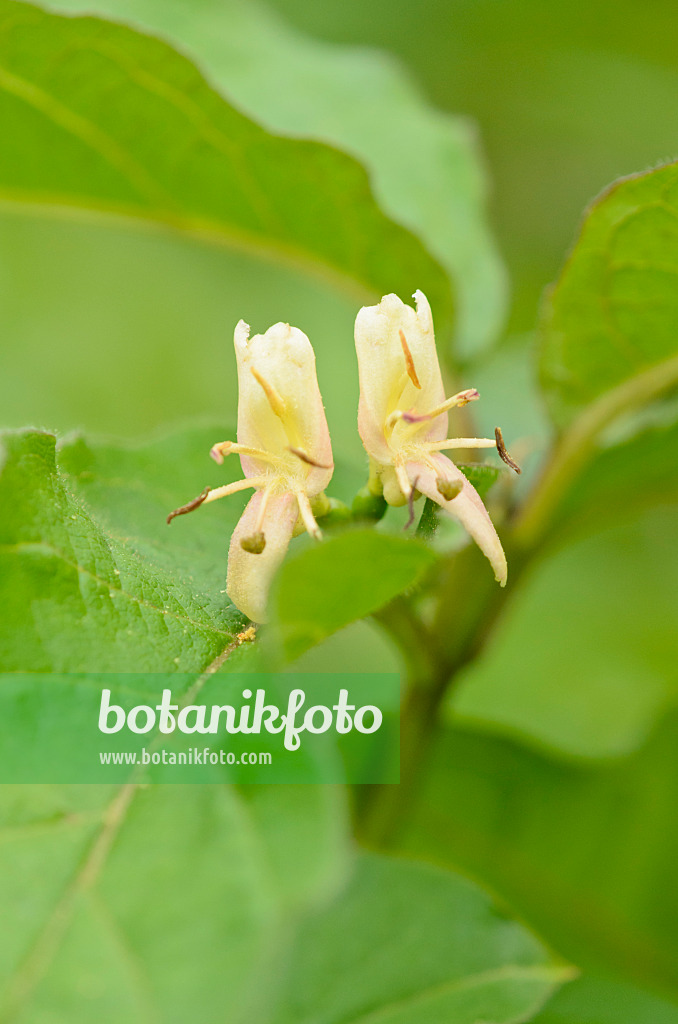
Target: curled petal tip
pixel 215 454
pixel 241 334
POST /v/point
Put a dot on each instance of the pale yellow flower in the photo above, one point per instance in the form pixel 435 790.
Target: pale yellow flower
pixel 285 453
pixel 403 418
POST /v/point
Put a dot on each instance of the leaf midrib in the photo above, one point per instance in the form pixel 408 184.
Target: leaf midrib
pixel 47 942
pixel 164 209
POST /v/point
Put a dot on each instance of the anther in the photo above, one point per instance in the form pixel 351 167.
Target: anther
pixel 305 457
pixel 196 503
pixel 274 400
pixel 503 454
pixel 255 544
pixel 449 488
pixel 218 451
pixel 409 361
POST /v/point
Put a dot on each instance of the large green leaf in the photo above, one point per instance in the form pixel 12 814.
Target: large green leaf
pixel 160 904
pixel 423 164
pixel 83 594
pixel 409 944
pixel 136 904
pixel 587 855
pixel 612 319
pixel 98 117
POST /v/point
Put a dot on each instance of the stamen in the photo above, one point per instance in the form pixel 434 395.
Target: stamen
pixel 459 442
pixel 274 400
pixel 413 418
pixel 305 457
pixel 239 485
pixel 255 544
pixel 409 361
pixel 410 502
pixel 408 417
pixel 456 401
pixel 403 480
pixel 306 513
pixel 266 494
pixel 503 454
pixel 214 493
pixel 449 488
pixel 196 503
pixel 224 448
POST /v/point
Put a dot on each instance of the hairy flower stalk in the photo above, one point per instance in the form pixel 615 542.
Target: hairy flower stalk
pixel 403 419
pixel 285 453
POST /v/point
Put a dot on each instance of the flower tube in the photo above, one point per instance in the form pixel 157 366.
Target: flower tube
pixel 403 419
pixel 286 456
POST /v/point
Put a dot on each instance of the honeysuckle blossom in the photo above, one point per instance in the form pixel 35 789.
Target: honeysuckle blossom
pixel 403 419
pixel 285 453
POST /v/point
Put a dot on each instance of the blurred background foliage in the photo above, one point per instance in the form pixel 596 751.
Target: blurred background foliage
pixel 555 780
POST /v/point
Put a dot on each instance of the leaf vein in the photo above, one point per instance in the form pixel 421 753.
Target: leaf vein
pixel 42 547
pixel 46 945
pixel 508 972
pixel 88 133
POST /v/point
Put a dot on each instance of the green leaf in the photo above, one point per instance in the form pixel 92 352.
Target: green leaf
pixel 583 659
pixel 345 578
pixel 424 164
pixel 154 904
pixel 149 139
pixel 591 1000
pixel 88 594
pixel 137 904
pixel 409 944
pixel 131 488
pixel 587 855
pixel 611 326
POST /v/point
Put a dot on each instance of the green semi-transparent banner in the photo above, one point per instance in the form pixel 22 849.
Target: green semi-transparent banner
pixel 174 728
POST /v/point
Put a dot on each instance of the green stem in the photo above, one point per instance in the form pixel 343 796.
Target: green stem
pixel 578 445
pixel 470 602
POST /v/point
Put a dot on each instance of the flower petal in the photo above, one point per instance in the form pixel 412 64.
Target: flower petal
pixel 467 508
pixel 384 382
pixel 249 575
pixel 284 359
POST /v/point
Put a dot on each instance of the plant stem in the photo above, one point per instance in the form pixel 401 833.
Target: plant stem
pixel 578 445
pixel 470 602
pixel 471 599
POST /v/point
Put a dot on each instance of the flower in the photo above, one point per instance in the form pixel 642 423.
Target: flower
pixel 403 416
pixel 285 453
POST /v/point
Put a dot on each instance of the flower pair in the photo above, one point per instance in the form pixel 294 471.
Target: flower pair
pixel 286 454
